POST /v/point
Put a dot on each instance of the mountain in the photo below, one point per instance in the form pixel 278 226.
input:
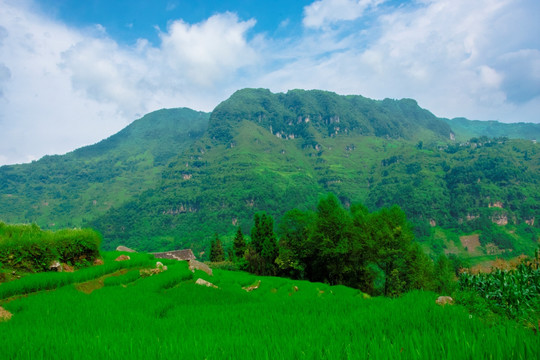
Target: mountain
pixel 275 152
pixel 465 129
pixel 66 190
pixel 175 177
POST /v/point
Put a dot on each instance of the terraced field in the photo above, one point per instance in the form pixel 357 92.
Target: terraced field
pixel 167 315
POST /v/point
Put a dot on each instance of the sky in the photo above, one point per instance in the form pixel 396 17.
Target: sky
pixel 74 72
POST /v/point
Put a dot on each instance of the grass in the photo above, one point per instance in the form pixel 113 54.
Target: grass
pixel 168 316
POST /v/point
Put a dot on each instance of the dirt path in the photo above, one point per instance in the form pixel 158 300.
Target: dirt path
pixel 89 286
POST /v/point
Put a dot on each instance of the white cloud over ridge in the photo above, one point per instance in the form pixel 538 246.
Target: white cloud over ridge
pixel 61 88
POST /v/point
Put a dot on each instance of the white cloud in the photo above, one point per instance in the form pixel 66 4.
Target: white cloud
pixel 456 57
pixel 61 88
pixel 324 12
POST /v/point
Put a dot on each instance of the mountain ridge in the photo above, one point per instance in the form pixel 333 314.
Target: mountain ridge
pixel 256 152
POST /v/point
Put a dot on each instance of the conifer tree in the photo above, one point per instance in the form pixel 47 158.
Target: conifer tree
pixel 239 244
pixel 216 250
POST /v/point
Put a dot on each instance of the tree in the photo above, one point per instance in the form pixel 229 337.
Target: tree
pixel 263 241
pixel 333 241
pixel 239 244
pixel 444 275
pixel 216 250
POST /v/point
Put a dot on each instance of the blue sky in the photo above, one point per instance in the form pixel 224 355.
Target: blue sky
pixel 74 72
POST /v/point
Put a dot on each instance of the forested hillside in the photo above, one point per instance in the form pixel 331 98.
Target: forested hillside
pixel 175 177
pixel 465 129
pixel 275 152
pixel 67 190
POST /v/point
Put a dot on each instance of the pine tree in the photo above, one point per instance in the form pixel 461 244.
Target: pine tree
pixel 216 250
pixel 239 244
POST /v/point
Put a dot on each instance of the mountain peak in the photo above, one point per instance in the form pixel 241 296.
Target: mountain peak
pixel 292 113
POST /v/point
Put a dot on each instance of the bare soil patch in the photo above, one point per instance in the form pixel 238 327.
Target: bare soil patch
pixel 4 314
pixel 470 242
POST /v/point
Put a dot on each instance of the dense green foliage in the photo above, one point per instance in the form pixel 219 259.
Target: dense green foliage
pixel 222 180
pixel 465 129
pixel 217 253
pixel 168 316
pixel 66 191
pixel 269 153
pixel 28 248
pixel 370 251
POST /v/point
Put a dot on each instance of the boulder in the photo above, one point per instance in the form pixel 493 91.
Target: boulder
pixel 252 287
pixel 55 266
pixel 205 283
pixel 197 265
pixel 98 262
pixel 122 258
pixel 444 300
pixel 123 248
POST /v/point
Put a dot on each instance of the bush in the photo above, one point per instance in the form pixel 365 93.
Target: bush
pixel 29 248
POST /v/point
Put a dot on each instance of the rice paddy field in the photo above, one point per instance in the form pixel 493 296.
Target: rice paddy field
pixel 112 312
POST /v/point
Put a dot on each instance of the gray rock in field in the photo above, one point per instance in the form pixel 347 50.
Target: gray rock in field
pixel 205 283
pixel 197 265
pixel 122 258
pixel 55 266
pixel 123 248
pixel 444 300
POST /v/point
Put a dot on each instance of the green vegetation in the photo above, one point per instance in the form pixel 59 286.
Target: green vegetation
pixel 28 248
pixel 515 293
pixel 68 190
pixel 465 129
pixel 170 185
pixel 167 315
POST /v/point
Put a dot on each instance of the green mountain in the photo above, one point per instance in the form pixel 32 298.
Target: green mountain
pixel 67 190
pixel 275 152
pixel 175 177
pixel 465 129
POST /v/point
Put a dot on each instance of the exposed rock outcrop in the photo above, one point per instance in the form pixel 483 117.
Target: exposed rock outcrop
pixel 122 258
pixel 197 265
pixel 205 283
pixel 123 248
pixel 444 300
pixel 252 287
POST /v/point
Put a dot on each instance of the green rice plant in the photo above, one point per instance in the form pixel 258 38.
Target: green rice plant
pixel 151 319
pixel 53 280
pixel 124 279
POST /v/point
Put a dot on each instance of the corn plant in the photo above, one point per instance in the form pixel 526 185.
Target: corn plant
pixel 514 292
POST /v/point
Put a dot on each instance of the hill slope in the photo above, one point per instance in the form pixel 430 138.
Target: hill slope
pixel 275 152
pixel 63 190
pixel 465 129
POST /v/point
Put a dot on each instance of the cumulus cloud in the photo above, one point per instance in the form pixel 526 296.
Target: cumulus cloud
pixel 63 88
pixel 325 12
pixel 457 57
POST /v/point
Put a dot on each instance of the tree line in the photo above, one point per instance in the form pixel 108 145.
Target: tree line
pixel 372 251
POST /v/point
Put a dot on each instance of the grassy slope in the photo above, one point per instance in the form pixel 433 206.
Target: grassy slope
pixel 167 316
pixel 60 191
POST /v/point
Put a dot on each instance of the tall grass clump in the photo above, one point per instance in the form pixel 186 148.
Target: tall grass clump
pixel 28 248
